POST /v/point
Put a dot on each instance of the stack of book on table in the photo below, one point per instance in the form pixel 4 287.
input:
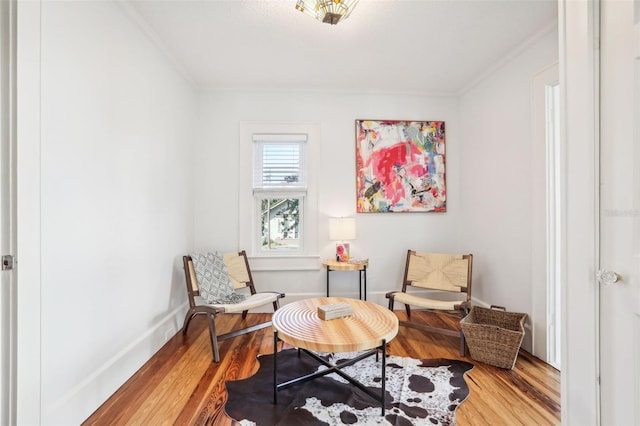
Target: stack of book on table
pixel 334 310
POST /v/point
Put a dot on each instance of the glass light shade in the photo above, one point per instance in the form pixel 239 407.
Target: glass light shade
pixel 327 11
pixel 342 228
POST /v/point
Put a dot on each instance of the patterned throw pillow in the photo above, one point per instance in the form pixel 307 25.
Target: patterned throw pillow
pixel 213 279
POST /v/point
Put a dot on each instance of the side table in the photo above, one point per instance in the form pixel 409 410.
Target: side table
pixel 361 267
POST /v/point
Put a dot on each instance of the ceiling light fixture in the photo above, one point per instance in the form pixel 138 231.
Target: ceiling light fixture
pixel 327 11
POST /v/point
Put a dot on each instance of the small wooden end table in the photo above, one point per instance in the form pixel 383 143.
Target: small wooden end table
pixel 334 265
pixel 369 328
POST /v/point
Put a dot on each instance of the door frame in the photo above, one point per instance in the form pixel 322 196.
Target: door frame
pixel 540 228
pixel 28 255
pixel 579 32
pixel 8 322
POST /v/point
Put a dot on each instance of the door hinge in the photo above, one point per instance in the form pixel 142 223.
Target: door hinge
pixel 7 262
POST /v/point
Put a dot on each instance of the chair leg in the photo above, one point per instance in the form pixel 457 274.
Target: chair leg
pixel 187 321
pixel 244 314
pixel 214 338
pixel 275 305
pixel 391 303
pixel 408 309
pixel 463 313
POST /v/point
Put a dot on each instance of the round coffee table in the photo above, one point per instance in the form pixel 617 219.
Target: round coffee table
pixel 368 328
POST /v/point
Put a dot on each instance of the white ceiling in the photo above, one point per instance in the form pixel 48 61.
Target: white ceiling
pixel 419 46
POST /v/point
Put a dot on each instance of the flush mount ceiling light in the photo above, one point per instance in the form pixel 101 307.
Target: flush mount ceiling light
pixel 327 11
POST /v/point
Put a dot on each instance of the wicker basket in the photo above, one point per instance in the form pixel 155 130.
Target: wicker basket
pixel 494 335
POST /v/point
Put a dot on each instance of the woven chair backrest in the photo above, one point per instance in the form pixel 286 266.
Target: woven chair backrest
pixel 237 268
pixel 437 271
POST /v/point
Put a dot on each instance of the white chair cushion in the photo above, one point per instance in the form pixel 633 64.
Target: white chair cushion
pixel 423 302
pixel 252 301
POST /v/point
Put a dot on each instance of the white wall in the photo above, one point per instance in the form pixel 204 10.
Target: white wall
pixel 116 203
pixel 383 238
pixel 498 177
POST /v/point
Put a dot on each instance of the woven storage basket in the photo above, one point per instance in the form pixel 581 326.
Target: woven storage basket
pixel 494 335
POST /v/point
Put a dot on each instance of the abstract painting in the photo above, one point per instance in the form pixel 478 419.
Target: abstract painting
pixel 400 166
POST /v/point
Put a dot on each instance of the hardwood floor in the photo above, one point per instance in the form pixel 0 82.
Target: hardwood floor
pixel 181 379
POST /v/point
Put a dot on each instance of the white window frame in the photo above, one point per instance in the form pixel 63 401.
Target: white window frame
pixel 307 257
pixel 258 197
pixel 269 189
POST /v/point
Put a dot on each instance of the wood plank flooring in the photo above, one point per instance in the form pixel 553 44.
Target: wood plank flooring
pixel 181 378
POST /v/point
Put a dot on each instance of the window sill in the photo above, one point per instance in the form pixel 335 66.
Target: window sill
pixel 285 263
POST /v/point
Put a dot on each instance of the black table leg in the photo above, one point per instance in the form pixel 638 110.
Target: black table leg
pixel 384 372
pixel 328 270
pixel 275 367
pixel 335 369
pixel 364 271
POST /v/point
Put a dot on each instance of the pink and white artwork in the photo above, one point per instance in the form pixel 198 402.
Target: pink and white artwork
pixel 400 166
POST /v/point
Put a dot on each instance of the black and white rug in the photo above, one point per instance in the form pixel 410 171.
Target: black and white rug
pixel 419 392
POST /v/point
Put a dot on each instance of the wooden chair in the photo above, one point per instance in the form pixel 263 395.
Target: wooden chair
pixel 442 274
pixel 240 275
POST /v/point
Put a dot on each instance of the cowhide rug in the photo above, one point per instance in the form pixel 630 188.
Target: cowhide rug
pixel 419 392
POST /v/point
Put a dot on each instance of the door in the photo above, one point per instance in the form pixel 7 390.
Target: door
pixel 620 212
pixel 7 218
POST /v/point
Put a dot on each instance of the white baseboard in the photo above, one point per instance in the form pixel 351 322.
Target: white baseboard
pixel 377 297
pixel 80 402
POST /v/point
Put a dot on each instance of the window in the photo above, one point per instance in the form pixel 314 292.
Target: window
pixel 278 195
pixel 279 190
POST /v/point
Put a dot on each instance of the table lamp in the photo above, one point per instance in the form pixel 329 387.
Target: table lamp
pixel 341 229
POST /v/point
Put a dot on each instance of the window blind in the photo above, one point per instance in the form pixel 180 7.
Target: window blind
pixel 279 161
